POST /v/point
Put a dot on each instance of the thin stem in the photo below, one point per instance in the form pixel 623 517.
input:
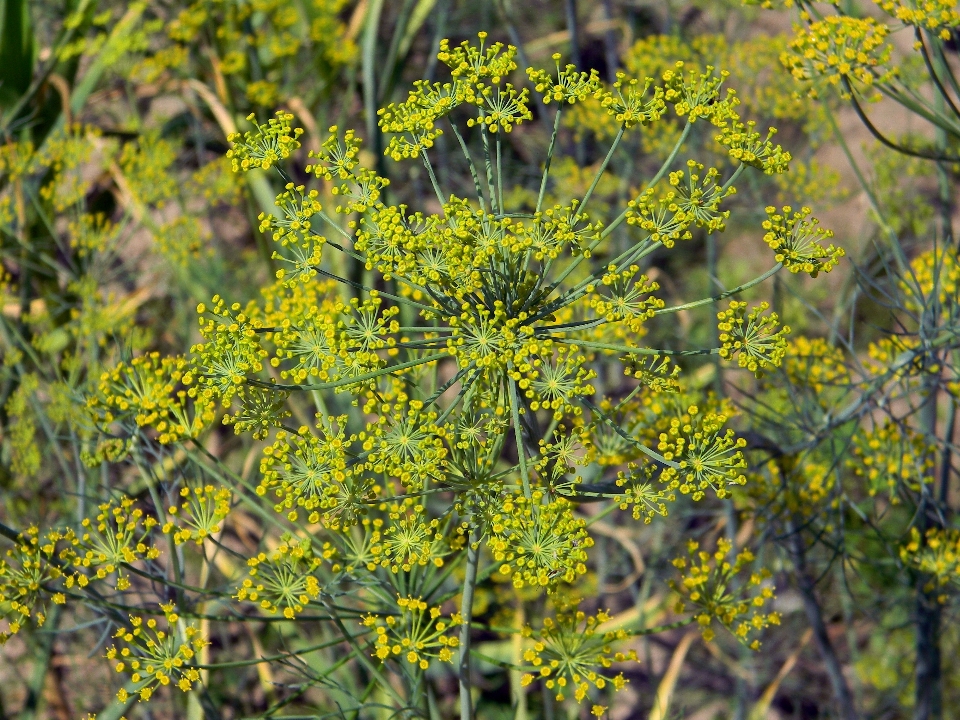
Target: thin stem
pixel 630 350
pixel 887 141
pixel 488 166
pixel 546 164
pixel 656 178
pixel 945 66
pixel 473 168
pixel 500 174
pixel 466 614
pixel 623 216
pixel 721 296
pixel 874 204
pixel 640 446
pixel 600 172
pixel 933 73
pixel 433 178
pixel 343 382
pixel 515 414
pixel 282 656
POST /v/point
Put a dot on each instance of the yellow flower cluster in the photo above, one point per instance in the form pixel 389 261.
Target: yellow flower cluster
pixel 670 216
pixel 840 48
pixel 312 473
pixel 154 657
pixel 410 538
pixel 655 372
pixel 695 94
pixel 182 241
pixel 282 582
pixel 199 516
pixel 216 183
pixel 413 123
pixel 898 181
pixel 574 653
pixel 152 392
pixel 709 583
pixel 25 457
pixel 310 332
pixel 892 458
pixel 293 231
pixel 119 536
pixel 795 484
pixel 416 633
pixel 32 564
pixel 939 16
pixel 337 157
pixel 753 339
pixel 406 443
pixel 744 144
pixel 628 102
pixel 261 410
pixel 472 64
pixel 92 234
pixel 231 352
pixel 538 542
pixel 67 153
pixel 271 143
pixel 796 241
pixel 706 455
pixel 554 377
pixel 897 357
pixel 146 169
pixel 813 363
pixel 937 554
pixel 569 86
pixel 937 271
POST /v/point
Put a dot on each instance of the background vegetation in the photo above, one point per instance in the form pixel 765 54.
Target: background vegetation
pixel 238 498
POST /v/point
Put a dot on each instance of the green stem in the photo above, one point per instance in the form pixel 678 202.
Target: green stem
pixel 515 415
pixel 466 614
pixel 488 166
pixel 733 179
pixel 433 178
pixel 874 204
pixel 473 168
pixel 546 165
pixel 656 178
pixel 362 657
pixel 282 656
pixel 617 429
pixel 629 350
pixel 600 172
pixel 623 216
pixel 343 382
pixel 716 298
pixel 500 173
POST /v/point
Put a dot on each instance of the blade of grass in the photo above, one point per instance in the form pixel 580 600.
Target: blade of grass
pixel 369 63
pixel 16 49
pixel 419 16
pixel 661 702
pixel 389 66
pixel 108 55
pixel 759 710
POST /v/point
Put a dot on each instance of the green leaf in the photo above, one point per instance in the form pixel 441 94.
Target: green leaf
pixel 16 50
